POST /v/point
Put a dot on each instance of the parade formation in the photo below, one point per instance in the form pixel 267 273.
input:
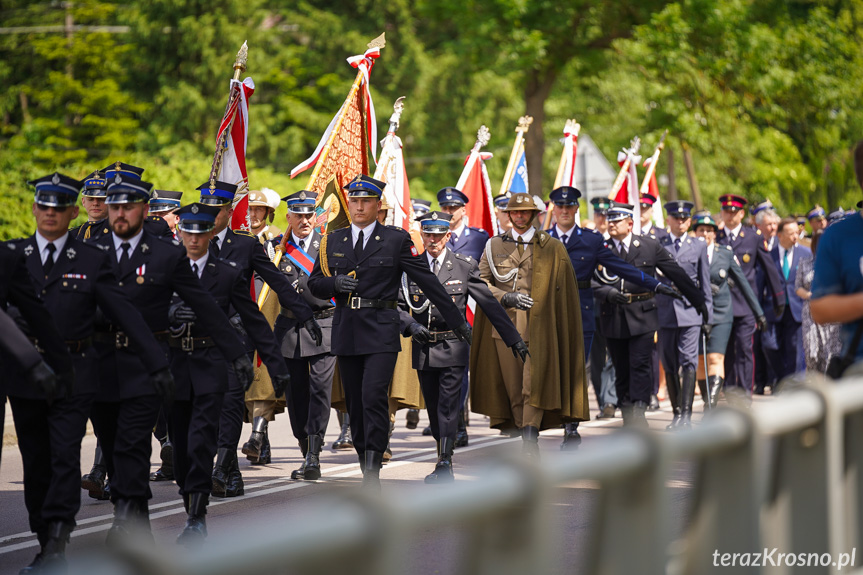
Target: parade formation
pixel 181 320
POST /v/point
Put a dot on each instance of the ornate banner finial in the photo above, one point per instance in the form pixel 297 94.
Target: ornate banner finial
pixel 398 107
pixel 378 42
pixel 524 123
pixel 571 127
pixel 634 145
pixel 242 58
pixel 483 136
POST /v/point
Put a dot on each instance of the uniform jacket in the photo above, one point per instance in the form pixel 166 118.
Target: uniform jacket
pixel 724 270
pixel 90 231
pixel 204 370
pixel 692 257
pixel 587 251
pixel 471 242
pixel 159 268
pixel 750 252
pixel 789 292
pixel 655 233
pixel 388 253
pixel 646 254
pixel 297 342
pixel 82 279
pixel 459 276
pixel 556 344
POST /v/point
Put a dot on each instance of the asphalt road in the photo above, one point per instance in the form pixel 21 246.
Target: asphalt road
pixel 272 499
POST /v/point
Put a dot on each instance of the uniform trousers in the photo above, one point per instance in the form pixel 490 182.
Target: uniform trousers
pixel 738 358
pixel 124 429
pixel 516 380
pixel 49 438
pixel 194 433
pixel 308 396
pixel 633 367
pixel 366 380
pixel 678 348
pixel 233 410
pixel 602 370
pixel 442 393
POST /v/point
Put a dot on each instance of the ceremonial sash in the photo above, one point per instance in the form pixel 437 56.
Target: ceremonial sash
pixel 300 258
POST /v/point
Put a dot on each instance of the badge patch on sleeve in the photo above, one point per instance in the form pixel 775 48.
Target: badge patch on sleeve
pixel 414 251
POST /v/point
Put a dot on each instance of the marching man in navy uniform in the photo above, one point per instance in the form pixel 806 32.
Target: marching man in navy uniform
pixel 311 364
pixel 749 249
pixel 150 270
pixel 629 318
pixel 73 278
pixel 679 322
pixel 438 356
pixel 248 253
pixel 362 267
pixel 587 251
pixel 93 201
pixel 201 371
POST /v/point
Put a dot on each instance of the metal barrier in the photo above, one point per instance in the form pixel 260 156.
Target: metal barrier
pixel 788 477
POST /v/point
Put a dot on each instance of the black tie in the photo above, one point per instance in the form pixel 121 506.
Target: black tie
pixel 214 246
pixel 49 261
pixel 564 238
pixel 124 258
pixel 677 245
pixel 303 244
pixel 622 251
pixel 435 266
pixel 195 269
pixel 358 247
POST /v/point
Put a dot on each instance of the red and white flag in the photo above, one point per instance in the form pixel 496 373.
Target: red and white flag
pixel 235 124
pixel 653 190
pixel 474 183
pixel 627 192
pixel 570 153
pixel 391 170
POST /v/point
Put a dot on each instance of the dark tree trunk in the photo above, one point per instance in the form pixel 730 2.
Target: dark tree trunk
pixel 539 85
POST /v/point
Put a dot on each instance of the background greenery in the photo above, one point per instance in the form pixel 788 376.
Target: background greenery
pixel 765 93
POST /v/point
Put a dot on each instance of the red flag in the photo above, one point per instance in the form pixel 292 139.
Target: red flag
pixel 474 183
pixel 235 124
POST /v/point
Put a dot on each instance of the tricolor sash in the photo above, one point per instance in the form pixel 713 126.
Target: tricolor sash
pixel 300 258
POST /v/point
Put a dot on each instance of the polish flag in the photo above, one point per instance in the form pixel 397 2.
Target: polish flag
pixel 235 124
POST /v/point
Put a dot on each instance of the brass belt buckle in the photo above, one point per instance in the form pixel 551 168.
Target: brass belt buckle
pixel 629 298
pixel 121 340
pixel 187 343
pixel 354 303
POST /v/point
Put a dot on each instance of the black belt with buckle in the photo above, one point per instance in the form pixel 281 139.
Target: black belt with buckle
pixel 636 297
pixel 74 345
pixel 121 341
pixel 361 302
pixel 584 284
pixel 436 336
pixel 191 343
pixel 322 314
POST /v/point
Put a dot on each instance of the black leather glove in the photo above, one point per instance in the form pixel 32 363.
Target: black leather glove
pixel 237 324
pixel 314 330
pixel 663 289
pixel 519 349
pixel 761 322
pixel 280 384
pixel 65 385
pixel 778 310
pixel 706 328
pixel 617 298
pixel 244 371
pixel 345 284
pixel 163 381
pixel 463 333
pixel 181 313
pixel 517 300
pixel 703 311
pixel 419 333
pixel 43 376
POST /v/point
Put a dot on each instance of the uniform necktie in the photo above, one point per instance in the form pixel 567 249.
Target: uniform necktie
pixel 435 266
pixel 785 266
pixel 303 245
pixel 48 265
pixel 676 245
pixel 454 238
pixel 358 247
pixel 564 238
pixel 520 246
pixel 622 251
pixel 214 246
pixel 124 258
pixel 195 269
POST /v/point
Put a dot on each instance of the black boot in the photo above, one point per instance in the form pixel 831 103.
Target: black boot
pixel 443 469
pixel 235 486
pixel 654 403
pixel 427 430
pixel 672 385
pixel 252 448
pixel 412 419
pixel 388 452
pixel 626 414
pixel 166 471
pixel 312 470
pixel 195 531
pixel 715 383
pixel 571 436
pixel 266 454
pixel 344 440
pixel 125 516
pixel 95 481
pixel 705 394
pixel 299 473
pixel 461 438
pixel 638 418
pixel 52 557
pixel 687 394
pixel 221 471
pixel 530 441
pixel 372 470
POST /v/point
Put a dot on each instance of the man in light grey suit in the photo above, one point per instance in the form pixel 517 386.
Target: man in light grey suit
pixel 679 322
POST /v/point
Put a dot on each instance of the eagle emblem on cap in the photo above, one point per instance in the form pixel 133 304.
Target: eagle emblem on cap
pixel 155 194
pixel 55 180
pixel 194 209
pixel 449 195
pixel 519 199
pixel 302 195
pixel 118 179
pixel 434 216
pixel 117 166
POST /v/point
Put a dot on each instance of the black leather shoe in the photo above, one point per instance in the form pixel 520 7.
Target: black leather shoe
pixel 95 481
pixel 427 431
pixel 299 473
pixel 125 514
pixel 266 454
pixel 221 470
pixel 530 441
pixel 235 486
pixel 443 469
pixel 195 531
pixel 344 440
pixel 654 403
pixel 162 474
pixel 312 470
pixel 372 470
pixel 34 567
pixel 51 559
pixel 715 384
pixel 638 418
pixel 461 438
pixel 571 437
pixel 252 448
pixel 412 418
